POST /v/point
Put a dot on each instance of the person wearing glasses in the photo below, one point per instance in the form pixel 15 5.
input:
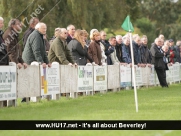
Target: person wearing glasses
pixel 59 51
pixel 159 61
pixel 12 42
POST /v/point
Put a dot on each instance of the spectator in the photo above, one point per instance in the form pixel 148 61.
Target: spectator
pixel 161 36
pixel 56 33
pixel 178 44
pixel 11 41
pixel 71 31
pixel 107 46
pixel 136 50
pixel 3 52
pixel 145 52
pixel 180 53
pixel 78 48
pixel 119 48
pixel 35 46
pixel 85 33
pixel 158 61
pixel 47 44
pixel 173 52
pixel 32 24
pixel 94 49
pixel 114 59
pixel 166 57
pixel 126 50
pixel 59 51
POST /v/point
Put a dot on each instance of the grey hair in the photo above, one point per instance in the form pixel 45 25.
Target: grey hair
pixel 178 43
pixel 118 36
pixel 1 19
pixel 39 25
pixel 68 27
pixel 156 39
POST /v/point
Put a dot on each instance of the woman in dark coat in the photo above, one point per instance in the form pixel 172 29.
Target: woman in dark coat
pixel 78 48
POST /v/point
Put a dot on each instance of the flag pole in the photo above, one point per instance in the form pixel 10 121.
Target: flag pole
pixel 133 71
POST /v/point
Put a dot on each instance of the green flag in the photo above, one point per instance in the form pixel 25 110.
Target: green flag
pixel 127 25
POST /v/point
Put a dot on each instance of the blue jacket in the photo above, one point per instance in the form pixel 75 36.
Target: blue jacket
pixel 126 53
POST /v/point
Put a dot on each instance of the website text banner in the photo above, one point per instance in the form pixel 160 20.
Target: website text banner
pixel 100 78
pixel 90 125
pixel 85 78
pixel 125 76
pixel 8 82
pixel 50 80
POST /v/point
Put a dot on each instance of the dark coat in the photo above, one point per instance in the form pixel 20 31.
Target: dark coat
pixel 157 57
pixel 13 48
pixel 26 35
pixel 145 54
pixel 136 52
pixel 35 49
pixel 69 38
pixel 79 54
pixel 126 54
pixel 108 50
pixel 94 52
pixel 4 60
pixel 119 52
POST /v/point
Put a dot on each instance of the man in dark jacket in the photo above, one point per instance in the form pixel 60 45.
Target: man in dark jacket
pixel 33 22
pixel 118 48
pixel 3 52
pixel 11 41
pixel 145 52
pixel 108 48
pixel 71 31
pixel 136 50
pixel 35 46
pixel 158 59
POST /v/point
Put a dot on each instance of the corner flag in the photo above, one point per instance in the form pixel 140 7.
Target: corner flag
pixel 127 25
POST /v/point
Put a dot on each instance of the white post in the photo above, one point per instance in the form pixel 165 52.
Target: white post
pixel 133 72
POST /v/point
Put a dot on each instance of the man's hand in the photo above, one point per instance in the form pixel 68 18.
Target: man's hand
pixel 70 64
pixel 149 65
pixel 25 65
pixel 19 65
pixel 49 65
pixel 44 65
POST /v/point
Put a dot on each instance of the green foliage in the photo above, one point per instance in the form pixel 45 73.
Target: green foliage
pixel 147 28
pixel 163 14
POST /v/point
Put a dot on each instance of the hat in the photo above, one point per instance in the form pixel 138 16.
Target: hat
pixel 171 40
